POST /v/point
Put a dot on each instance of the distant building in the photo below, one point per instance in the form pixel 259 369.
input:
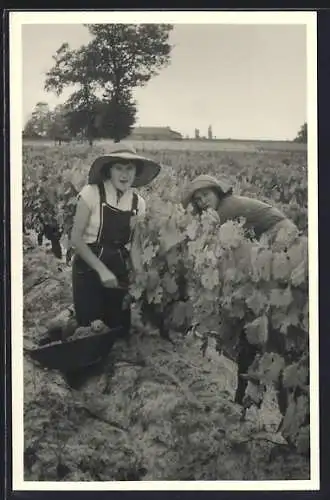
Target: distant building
pixel 209 132
pixel 155 134
pixel 196 133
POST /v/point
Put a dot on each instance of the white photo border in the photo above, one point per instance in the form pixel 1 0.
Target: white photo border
pixel 16 21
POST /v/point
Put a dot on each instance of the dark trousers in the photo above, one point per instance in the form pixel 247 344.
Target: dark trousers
pixel 93 301
pixel 246 355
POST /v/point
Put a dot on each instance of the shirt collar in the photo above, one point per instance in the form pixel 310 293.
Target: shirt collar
pixel 110 188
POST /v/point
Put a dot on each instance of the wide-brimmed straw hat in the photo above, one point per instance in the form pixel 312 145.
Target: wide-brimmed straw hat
pixel 205 181
pixel 146 169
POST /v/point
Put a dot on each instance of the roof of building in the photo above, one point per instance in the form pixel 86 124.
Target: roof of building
pixel 153 130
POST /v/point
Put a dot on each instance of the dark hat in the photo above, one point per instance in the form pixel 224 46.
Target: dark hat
pixel 146 169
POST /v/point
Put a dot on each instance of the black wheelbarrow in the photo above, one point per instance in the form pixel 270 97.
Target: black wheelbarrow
pixel 75 354
pixel 78 359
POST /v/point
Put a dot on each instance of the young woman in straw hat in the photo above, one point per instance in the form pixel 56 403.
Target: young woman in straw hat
pixel 101 233
pixel 206 192
pixel 263 219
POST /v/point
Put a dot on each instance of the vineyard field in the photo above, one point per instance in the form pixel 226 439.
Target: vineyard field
pixel 195 145
pixel 162 411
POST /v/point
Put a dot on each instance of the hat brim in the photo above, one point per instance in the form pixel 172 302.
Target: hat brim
pixel 221 187
pixel 147 169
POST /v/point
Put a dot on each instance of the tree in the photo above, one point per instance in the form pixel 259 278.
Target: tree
pixel 116 117
pixel 128 55
pixel 40 120
pixel 75 67
pixel 29 131
pixel 47 123
pixel 119 58
pixel 82 110
pixel 302 134
pixel 59 123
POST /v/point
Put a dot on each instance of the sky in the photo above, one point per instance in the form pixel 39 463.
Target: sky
pixel 246 81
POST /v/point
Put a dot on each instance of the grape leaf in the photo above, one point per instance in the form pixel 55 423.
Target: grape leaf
pixel 230 274
pixel 257 301
pixel 257 331
pixel 237 309
pixel 172 257
pixel 305 312
pixel 282 320
pixel 210 278
pixel 303 440
pixel 273 437
pixel 157 296
pixel 149 253
pixel 298 253
pixel 169 284
pixel 295 375
pixel 255 269
pixel 299 274
pixel 191 230
pixel 267 368
pixel 153 279
pixel 263 263
pixel 254 392
pixel 286 236
pixel 295 416
pixel 230 235
pixel 169 238
pixel 281 266
pixel 280 298
pixel 181 313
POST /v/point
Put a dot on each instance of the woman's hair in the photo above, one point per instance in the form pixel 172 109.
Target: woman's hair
pixel 106 169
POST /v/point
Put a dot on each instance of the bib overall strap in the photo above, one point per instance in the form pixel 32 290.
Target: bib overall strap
pixel 102 193
pixel 135 202
pixel 102 201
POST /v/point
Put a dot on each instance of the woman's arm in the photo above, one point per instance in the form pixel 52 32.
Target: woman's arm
pixel 83 250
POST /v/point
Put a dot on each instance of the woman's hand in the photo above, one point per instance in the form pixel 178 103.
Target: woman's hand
pixel 97 325
pixel 213 215
pixel 108 279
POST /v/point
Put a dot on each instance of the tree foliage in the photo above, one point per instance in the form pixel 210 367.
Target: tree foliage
pixel 116 116
pixel 47 123
pixel 302 134
pixel 82 113
pixel 119 58
pixel 39 121
pixel 128 55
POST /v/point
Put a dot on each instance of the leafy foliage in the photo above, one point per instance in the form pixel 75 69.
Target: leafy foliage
pixel 116 116
pixel 40 121
pixel 302 134
pixel 128 55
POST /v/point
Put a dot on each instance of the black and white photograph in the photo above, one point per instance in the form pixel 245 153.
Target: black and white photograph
pixel 164 250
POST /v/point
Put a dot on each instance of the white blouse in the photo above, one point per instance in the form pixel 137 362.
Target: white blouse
pixel 91 196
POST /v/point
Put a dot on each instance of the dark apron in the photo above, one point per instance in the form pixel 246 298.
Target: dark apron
pixel 91 299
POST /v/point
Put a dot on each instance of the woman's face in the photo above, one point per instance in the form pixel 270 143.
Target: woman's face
pixel 206 198
pixel 122 175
